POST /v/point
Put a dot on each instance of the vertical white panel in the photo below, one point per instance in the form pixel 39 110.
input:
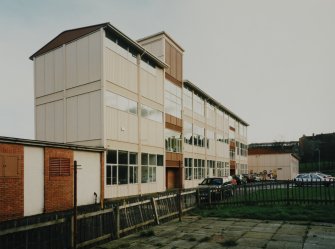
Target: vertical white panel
pixel 49 73
pixel 71 65
pixel 83 116
pixel 95 115
pixel 71 119
pixel 40 122
pixel 95 57
pixel 59 121
pixel 49 122
pixel 39 80
pixel 82 61
pixel 59 69
pixel 89 173
pixel 33 180
pixel 144 131
pixel 111 123
pixel 123 126
pixel 133 129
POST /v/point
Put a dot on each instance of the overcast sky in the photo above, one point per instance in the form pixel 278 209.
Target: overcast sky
pixel 270 62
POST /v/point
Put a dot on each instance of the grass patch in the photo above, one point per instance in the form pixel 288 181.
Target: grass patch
pixel 147 233
pixel 298 213
pixel 205 239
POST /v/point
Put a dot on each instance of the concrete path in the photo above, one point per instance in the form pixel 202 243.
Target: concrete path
pixel 212 233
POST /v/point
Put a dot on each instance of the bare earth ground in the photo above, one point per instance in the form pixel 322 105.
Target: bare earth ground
pixel 212 233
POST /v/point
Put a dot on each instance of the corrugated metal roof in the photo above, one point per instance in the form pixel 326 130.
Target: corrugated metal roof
pixel 213 101
pixel 73 34
pixel 38 143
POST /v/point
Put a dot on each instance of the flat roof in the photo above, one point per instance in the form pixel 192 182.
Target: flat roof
pixel 39 143
pixel 74 34
pixel 189 84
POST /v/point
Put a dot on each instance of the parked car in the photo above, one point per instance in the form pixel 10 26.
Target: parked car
pixel 310 178
pixel 219 187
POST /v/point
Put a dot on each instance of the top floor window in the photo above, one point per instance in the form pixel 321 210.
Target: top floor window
pixel 172 99
pixel 198 105
pixel 187 101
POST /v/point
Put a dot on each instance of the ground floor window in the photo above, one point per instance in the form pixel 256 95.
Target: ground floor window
pixel 211 168
pixel 199 169
pixel 222 169
pixel 149 163
pixel 188 168
pixel 121 167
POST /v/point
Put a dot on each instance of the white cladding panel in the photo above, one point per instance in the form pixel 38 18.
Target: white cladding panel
pixel 49 73
pixel 83 60
pixel 84 117
pixel 121 126
pixel 152 133
pixel 39 76
pixel 152 85
pixel 89 172
pixel 33 180
pixel 120 67
pixel 59 69
pixel 49 122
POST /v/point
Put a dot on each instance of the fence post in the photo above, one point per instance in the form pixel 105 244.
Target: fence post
pixel 153 203
pixel 287 193
pixel 117 222
pixel 209 197
pixel 198 197
pixel 245 193
pixel 180 208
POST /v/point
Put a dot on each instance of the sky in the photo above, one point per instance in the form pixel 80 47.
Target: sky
pixel 270 62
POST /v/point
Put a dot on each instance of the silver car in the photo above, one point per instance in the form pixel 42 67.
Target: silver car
pixel 310 178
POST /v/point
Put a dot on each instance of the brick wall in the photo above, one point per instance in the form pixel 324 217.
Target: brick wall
pixel 58 190
pixel 11 187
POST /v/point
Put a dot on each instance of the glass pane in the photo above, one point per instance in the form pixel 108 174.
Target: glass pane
pixel 111 99
pixel 114 174
pixel 152 159
pixel 132 158
pixel 135 174
pixel 154 174
pixel 123 174
pixel 111 156
pixel 144 172
pixel 122 103
pixel 160 160
pixel 144 159
pixel 123 157
pixel 132 107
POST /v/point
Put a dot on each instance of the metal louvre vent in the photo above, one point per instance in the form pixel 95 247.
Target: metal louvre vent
pixel 59 166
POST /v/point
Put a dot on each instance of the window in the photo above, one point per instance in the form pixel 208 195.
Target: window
pixel 187 133
pixel 121 103
pixel 198 105
pixel 149 164
pixel 172 141
pixel 152 114
pixel 237 148
pixel 188 169
pixel 121 167
pixel 187 100
pixel 219 137
pixel 59 166
pixel 199 136
pixel 199 169
pixel 210 110
pixel 210 137
pixel 172 99
pixel 211 168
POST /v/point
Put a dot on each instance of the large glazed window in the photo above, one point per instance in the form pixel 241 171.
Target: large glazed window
pixel 121 167
pixel 198 136
pixel 121 103
pixel 172 99
pixel 198 105
pixel 188 133
pixel 187 100
pixel 149 166
pixel 172 141
pixel 152 114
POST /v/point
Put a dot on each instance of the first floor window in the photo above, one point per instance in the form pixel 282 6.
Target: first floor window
pixel 148 167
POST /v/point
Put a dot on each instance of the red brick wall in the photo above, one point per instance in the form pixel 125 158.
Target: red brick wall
pixel 11 188
pixel 58 190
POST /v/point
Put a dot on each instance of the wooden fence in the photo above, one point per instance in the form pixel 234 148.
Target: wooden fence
pixel 94 225
pixel 272 193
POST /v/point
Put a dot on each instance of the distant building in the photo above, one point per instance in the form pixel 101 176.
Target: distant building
pixel 277 160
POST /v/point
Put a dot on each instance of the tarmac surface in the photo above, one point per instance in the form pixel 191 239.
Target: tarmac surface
pixel 213 233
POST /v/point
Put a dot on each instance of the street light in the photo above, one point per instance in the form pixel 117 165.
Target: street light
pixel 318 150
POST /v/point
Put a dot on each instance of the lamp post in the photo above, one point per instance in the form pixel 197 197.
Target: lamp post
pixel 318 150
